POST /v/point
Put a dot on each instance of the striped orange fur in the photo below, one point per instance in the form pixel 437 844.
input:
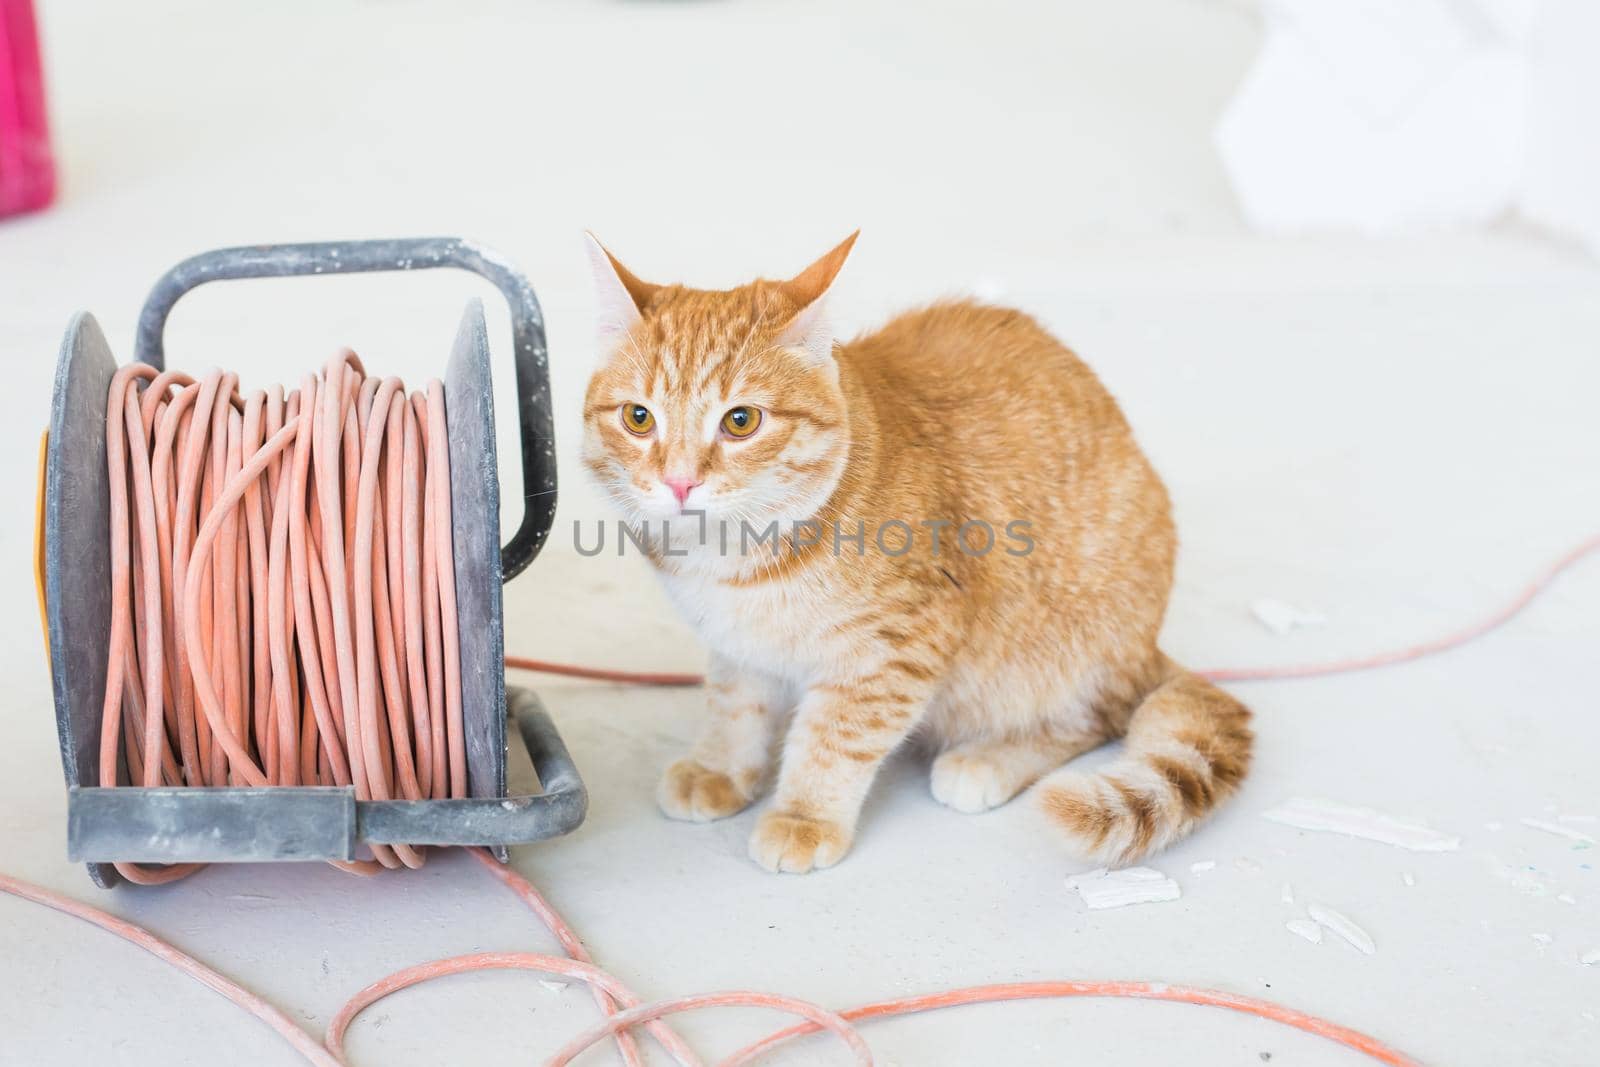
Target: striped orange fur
pixel 826 657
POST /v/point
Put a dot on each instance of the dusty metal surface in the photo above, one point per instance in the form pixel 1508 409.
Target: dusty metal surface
pixel 182 825
pixel 310 823
pixel 529 354
pixel 323 822
pixel 475 513
pixel 557 809
pixel 78 552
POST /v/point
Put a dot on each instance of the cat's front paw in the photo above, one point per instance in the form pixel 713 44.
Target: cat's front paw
pixel 796 844
pixel 699 794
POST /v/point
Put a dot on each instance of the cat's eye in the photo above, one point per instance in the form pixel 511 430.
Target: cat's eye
pixel 638 419
pixel 741 421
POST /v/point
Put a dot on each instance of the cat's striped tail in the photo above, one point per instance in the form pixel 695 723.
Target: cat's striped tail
pixel 1187 750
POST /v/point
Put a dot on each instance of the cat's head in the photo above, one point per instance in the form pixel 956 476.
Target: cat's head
pixel 723 402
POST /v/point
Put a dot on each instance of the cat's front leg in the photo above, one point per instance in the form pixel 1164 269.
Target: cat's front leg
pixel 733 756
pixel 842 731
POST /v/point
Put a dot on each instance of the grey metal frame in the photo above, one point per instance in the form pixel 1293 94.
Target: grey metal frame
pixel 529 355
pixel 162 825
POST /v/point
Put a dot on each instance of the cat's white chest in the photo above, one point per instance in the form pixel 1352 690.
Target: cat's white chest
pixel 761 625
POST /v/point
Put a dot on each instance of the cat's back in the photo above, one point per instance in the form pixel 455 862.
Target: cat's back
pixel 978 413
pixel 973 373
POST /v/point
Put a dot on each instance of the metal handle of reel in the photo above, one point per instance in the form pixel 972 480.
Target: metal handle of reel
pixel 529 354
pixel 517 820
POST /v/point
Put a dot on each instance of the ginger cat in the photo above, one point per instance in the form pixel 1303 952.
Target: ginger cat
pixel 790 490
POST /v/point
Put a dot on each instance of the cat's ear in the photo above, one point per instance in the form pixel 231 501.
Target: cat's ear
pixel 621 295
pixel 811 328
pixel 809 285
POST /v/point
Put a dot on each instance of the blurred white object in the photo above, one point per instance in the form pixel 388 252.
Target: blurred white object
pixel 989 290
pixel 1561 184
pixel 1386 115
pixel 1280 618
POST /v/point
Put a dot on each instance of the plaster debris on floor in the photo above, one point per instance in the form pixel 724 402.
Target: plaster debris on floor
pixel 1328 816
pixel 1305 928
pixel 1283 618
pixel 1104 888
pixel 1559 830
pixel 1343 926
pixel 1523 879
pixel 1313 404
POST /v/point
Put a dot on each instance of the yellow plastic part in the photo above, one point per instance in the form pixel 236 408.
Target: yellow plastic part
pixel 38 543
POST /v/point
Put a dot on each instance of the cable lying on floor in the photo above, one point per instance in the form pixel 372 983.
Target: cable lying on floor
pixel 331 545
pixel 331 1054
pixel 1454 639
pixel 611 991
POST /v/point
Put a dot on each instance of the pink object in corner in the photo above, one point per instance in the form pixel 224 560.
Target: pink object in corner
pixel 27 172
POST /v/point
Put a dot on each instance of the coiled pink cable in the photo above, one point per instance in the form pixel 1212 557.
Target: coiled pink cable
pixel 282 590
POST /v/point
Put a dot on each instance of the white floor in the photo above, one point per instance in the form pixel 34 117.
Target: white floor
pixel 1396 434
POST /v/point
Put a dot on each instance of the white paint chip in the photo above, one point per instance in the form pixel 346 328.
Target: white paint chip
pixel 1559 830
pixel 1330 817
pixel 552 986
pixel 1306 929
pixel 1590 958
pixel 1281 618
pixel 1566 898
pixel 1102 888
pixel 1203 865
pixel 1343 926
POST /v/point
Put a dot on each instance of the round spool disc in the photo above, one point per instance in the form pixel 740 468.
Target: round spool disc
pixel 77 552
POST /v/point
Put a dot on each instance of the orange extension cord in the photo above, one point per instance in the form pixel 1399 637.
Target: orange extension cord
pixel 317 529
pixel 277 503
pixel 1454 639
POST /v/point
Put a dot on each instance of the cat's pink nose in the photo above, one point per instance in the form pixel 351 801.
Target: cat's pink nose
pixel 681 487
